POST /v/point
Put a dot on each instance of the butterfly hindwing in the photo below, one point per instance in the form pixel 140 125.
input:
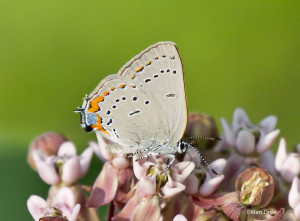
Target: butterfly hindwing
pixel 143 105
pixel 125 114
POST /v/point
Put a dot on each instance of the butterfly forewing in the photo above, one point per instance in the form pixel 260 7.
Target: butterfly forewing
pixel 158 71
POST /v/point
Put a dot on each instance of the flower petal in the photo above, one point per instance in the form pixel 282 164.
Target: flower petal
pixel 65 196
pixel 268 124
pixel 192 155
pixel 105 186
pixel 67 149
pixel 126 212
pixel 171 188
pixel 140 167
pixel 265 142
pixel 71 170
pixel 210 185
pixel 147 185
pixel 182 170
pixel 290 167
pixel 240 119
pixel 215 199
pixel 47 172
pixel 218 165
pixel 36 205
pixel 101 149
pixel 38 155
pixel 233 210
pixel 294 194
pixel 268 162
pixel 85 160
pixel 281 154
pixel 245 142
pixel 120 162
pixel 228 133
pixel 179 217
pixel 297 212
pixel 75 213
pixel 191 184
pixel 148 209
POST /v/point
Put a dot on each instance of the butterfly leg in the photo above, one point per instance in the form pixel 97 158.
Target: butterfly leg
pixel 172 157
pixel 146 156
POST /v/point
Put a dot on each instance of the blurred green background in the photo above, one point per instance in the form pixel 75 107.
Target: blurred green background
pixel 238 53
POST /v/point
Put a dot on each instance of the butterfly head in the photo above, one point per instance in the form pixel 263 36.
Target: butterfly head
pixel 85 117
pixel 83 122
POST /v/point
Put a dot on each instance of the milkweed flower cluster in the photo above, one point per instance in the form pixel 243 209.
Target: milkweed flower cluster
pixel 252 184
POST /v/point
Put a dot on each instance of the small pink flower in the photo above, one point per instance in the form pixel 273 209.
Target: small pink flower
pixel 176 174
pixel 64 206
pixel 211 181
pixel 113 176
pixel 287 164
pixel 294 197
pixel 157 183
pixel 65 167
pixel 246 137
pixel 142 201
pixel 48 143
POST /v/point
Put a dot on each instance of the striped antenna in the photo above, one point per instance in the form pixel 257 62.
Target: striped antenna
pixel 206 138
pixel 195 149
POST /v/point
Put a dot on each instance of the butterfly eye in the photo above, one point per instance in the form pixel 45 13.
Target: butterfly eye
pixel 181 147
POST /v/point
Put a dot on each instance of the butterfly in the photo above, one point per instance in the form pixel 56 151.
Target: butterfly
pixel 143 107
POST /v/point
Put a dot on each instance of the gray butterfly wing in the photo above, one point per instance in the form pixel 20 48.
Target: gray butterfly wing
pixel 126 114
pixel 158 70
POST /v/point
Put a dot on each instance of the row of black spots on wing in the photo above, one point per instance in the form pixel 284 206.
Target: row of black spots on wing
pixel 172 57
pixel 162 72
pixel 168 71
pixel 114 106
pixel 149 63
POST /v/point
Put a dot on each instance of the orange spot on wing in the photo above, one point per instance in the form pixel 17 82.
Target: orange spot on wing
pixel 132 76
pixel 148 63
pixel 133 86
pixel 156 58
pixel 139 69
pixel 94 104
pixel 99 127
pixel 122 86
pixel 112 89
pixel 105 93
